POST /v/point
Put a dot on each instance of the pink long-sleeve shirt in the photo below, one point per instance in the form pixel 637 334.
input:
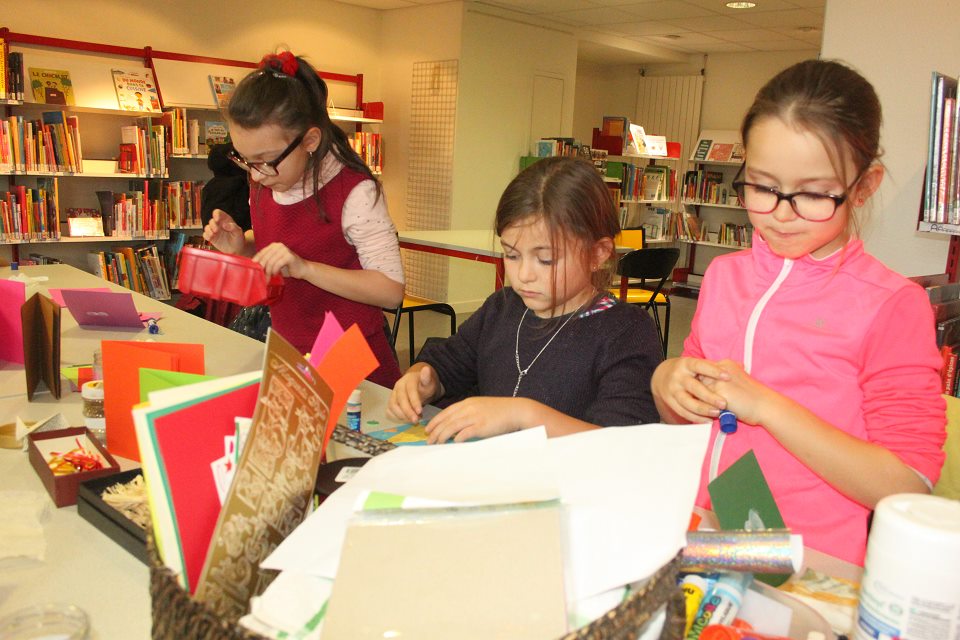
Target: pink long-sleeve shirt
pixel 845 337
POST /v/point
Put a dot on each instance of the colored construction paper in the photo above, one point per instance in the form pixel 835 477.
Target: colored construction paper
pixel 57 294
pixel 12 296
pixel 176 454
pixel 122 361
pixel 156 379
pixel 96 309
pixel 330 332
pixel 348 361
pixel 40 320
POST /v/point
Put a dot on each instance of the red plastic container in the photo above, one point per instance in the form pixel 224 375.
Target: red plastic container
pixel 222 276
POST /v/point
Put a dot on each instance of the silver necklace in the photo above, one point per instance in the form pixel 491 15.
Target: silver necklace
pixel 516 348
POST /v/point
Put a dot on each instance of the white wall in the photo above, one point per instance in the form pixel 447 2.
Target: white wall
pixel 498 62
pixel 334 36
pixel 602 90
pixel 417 34
pixel 896 49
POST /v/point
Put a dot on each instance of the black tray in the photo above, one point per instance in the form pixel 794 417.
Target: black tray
pixel 115 525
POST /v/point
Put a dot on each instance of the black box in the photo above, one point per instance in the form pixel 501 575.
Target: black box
pixel 115 525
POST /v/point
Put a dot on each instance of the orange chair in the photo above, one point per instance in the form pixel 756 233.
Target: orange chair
pixel 411 304
pixel 650 269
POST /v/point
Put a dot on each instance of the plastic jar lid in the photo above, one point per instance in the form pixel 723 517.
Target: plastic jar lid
pixel 92 390
pixel 46 621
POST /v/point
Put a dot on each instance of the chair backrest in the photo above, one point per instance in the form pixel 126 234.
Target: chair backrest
pixel 653 264
pixel 632 238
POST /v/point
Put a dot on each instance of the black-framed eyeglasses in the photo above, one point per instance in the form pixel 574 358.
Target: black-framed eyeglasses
pixel 268 168
pixel 813 207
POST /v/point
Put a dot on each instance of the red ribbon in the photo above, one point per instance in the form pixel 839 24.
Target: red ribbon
pixel 284 61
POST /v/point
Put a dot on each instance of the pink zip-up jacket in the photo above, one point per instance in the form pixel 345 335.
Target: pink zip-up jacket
pixel 845 337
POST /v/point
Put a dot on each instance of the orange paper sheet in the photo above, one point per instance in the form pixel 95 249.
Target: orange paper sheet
pixel 347 362
pixel 122 361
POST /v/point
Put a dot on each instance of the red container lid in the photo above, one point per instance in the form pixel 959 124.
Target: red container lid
pixel 222 276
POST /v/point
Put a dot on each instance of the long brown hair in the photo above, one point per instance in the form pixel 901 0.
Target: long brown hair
pixel 574 203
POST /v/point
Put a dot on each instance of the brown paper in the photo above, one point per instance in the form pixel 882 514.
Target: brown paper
pixel 41 343
pixel 485 572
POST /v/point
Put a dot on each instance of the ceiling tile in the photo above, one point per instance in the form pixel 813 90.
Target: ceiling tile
pixel 381 4
pixel 788 18
pixel 711 23
pixel 783 44
pixel 746 35
pixel 720 6
pixel 664 10
pixel 651 28
pixel 590 17
pixel 538 6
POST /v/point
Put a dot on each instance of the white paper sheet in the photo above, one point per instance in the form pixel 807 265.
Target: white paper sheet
pixel 627 492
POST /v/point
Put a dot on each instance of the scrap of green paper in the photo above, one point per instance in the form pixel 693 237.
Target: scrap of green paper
pixel 743 489
pixel 378 500
pixel 159 379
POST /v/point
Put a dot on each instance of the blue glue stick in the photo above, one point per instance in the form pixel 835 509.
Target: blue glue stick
pixel 152 326
pixel 728 421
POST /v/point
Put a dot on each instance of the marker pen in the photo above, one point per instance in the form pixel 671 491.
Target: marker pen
pixel 728 421
pixel 728 425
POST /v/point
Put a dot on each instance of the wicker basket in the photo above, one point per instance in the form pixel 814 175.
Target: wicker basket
pixel 177 616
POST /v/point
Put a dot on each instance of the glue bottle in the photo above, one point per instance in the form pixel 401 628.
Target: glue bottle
pixel 353 410
pixel 93 417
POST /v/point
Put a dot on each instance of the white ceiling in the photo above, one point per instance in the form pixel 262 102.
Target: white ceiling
pixel 645 31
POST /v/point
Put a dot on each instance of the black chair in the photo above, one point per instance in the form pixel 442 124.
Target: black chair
pixel 412 304
pixel 643 277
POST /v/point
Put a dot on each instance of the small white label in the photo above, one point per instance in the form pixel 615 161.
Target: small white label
pixel 346 473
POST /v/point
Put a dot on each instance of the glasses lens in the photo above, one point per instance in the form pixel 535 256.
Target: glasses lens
pixel 757 199
pixel 814 207
pixel 237 160
pixel 266 169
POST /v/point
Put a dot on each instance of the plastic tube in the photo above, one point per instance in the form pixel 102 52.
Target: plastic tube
pixel 726 632
pixel 694 586
pixel 721 604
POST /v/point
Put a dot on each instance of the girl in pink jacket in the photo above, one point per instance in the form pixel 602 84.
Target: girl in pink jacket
pixel 827 358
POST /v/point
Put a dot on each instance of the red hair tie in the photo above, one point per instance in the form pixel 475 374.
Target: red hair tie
pixel 284 61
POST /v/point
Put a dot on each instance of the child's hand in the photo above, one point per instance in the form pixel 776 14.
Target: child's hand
pixel 223 233
pixel 744 395
pixel 419 383
pixel 686 386
pixel 477 417
pixel 277 258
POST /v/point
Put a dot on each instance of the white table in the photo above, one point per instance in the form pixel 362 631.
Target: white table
pixel 82 565
pixel 468 244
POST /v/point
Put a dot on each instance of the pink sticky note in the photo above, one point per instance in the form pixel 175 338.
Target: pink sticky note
pixel 330 332
pixel 12 296
pixel 150 315
pixel 57 294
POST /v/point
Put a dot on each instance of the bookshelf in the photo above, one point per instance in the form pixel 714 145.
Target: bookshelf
pixel 711 221
pixel 647 192
pixel 184 85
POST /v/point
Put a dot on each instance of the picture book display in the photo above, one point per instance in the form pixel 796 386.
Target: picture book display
pixel 51 86
pixel 222 86
pixel 214 132
pixel 136 90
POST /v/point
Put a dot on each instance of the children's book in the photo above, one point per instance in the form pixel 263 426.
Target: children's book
pixel 222 88
pixel 136 90
pixel 214 132
pixel 51 86
pixel 720 152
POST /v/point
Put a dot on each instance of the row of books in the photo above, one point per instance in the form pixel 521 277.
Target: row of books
pixel 51 143
pixel 650 183
pixel 30 214
pixel 141 270
pixel 136 213
pixel 941 187
pixel 11 73
pixel 706 187
pixel 686 226
pixel 368 146
pixel 143 148
pixel 708 150
pixel 182 201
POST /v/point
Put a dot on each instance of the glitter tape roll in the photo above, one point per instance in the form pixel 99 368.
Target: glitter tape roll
pixel 771 551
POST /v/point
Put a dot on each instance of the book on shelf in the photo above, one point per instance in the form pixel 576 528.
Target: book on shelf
pixel 215 132
pixel 720 152
pixel 82 222
pixel 136 90
pixel 30 214
pixel 368 147
pixel 615 126
pixel 222 87
pixel 939 197
pixel 51 86
pixel 703 148
pixel 11 72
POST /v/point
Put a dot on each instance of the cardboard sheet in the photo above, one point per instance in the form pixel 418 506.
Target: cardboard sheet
pixel 40 317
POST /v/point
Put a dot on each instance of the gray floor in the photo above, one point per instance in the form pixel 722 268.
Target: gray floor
pixel 429 324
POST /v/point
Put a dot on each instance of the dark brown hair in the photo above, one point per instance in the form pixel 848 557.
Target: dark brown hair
pixel 574 203
pixel 296 103
pixel 831 101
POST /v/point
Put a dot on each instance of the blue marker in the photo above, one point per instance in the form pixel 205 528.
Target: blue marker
pixel 728 421
pixel 152 326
